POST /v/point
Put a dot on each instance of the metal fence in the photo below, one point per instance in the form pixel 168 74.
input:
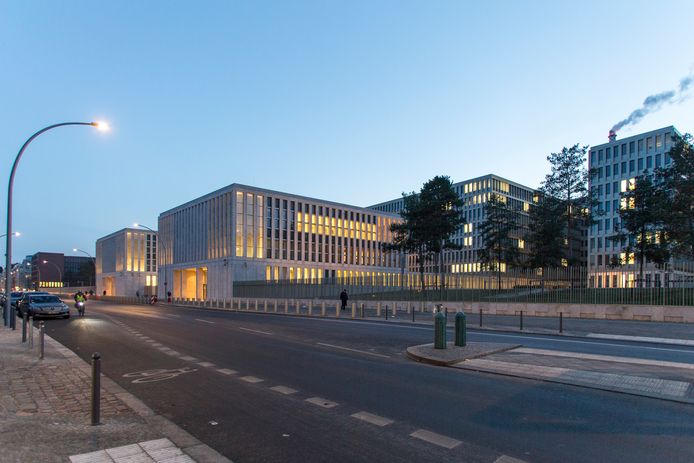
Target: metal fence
pixel 604 285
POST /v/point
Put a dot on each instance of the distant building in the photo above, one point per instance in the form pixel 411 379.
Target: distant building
pixel 126 263
pixel 56 270
pixel 474 193
pixel 246 233
pixel 617 164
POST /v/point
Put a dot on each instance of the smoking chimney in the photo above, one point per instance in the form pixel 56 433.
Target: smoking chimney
pixel 612 136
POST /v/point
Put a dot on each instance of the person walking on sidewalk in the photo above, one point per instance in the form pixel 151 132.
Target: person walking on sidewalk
pixel 344 298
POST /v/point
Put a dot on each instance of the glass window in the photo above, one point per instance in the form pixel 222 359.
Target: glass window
pixel 649 162
pixel 632 147
pixel 640 165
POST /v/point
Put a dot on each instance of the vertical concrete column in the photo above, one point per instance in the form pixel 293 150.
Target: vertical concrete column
pixel 354 310
pixel 256 305
pixel 322 309
pixel 298 307
pixel 265 306
pixel 378 309
pixel 286 306
pixel 274 305
pixel 310 308
pixel 337 310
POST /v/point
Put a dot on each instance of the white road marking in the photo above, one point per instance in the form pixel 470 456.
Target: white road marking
pixel 352 350
pixel 255 331
pixel 373 419
pixel 321 402
pixel 284 390
pixel 436 439
pixel 150 340
pixel 206 364
pixel 251 379
pixel 172 353
pixel 227 371
pixel 156 344
pixel 621 337
pixel 507 459
pixel 189 358
pixel 607 358
pixel 205 321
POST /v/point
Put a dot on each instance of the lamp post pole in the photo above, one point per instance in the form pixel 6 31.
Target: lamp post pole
pixel 154 231
pixel 93 262
pixel 9 317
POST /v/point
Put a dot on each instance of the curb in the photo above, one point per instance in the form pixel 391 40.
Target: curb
pixel 411 353
pixel 190 445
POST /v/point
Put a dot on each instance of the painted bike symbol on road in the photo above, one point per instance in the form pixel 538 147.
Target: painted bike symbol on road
pixel 159 374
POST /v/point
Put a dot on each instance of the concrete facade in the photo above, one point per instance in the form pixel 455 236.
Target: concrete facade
pixel 244 233
pixel 126 263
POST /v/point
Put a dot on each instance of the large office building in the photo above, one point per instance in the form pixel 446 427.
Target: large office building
pixel 474 194
pixel 56 270
pixel 617 163
pixel 126 263
pixel 242 233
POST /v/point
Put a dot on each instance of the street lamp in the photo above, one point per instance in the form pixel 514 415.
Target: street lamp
pixel 8 318
pixel 166 280
pixel 13 233
pixel 60 274
pixel 90 256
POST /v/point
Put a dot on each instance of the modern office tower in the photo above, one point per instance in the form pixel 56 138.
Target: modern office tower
pixel 617 164
pixel 243 233
pixel 126 263
pixel 474 193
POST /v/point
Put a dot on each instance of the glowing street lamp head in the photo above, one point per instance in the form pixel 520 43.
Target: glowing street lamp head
pixel 74 249
pixel 101 125
pixel 135 224
pixel 45 261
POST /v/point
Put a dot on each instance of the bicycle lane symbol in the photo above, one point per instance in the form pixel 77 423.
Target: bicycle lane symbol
pixel 159 374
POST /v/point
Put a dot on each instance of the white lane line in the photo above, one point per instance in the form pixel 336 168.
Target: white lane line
pixel 284 390
pixel 373 419
pixel 251 379
pixel 255 331
pixel 607 358
pixel 352 350
pixel 162 347
pixel 150 340
pixel 321 402
pixel 172 353
pixel 205 321
pixel 621 337
pixel 189 358
pixel 156 344
pixel 507 459
pixel 206 364
pixel 227 371
pixel 436 439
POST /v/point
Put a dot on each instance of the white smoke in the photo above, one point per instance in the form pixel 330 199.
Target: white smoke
pixel 655 102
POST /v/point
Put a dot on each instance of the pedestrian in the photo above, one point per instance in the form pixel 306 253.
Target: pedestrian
pixel 344 298
pixel 137 293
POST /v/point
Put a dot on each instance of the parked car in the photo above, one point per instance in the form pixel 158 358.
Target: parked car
pixel 42 305
pixel 15 296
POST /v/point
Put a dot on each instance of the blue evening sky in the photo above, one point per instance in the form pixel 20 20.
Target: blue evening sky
pixel 350 101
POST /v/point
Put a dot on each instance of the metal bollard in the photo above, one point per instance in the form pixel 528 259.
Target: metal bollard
pixel 480 318
pixel 24 327
pixel 354 310
pixel 386 312
pixel 521 320
pixel 96 388
pixel 460 329
pixel 41 339
pixel 439 331
pixel 412 314
pixel 561 322
pixel 31 333
pixel 362 311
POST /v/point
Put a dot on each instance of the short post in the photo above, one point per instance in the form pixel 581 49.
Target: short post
pixel 354 310
pixel 412 314
pixel 480 317
pixel 41 339
pixel 322 309
pixel 24 327
pixel 310 308
pixel 286 306
pixel 439 331
pixel 378 309
pixel 521 320
pixel 561 322
pixel 31 333
pixel 362 311
pixel 337 310
pixel 460 329
pixel 386 311
pixel 96 388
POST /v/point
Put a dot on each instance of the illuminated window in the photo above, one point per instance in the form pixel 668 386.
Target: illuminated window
pixel 521 244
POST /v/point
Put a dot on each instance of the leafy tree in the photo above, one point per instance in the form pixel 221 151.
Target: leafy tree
pixel 642 222
pixel 496 229
pixel 678 180
pixel 546 233
pixel 568 184
pixel 429 219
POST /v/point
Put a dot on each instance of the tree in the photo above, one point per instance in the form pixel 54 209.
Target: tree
pixel 568 184
pixel 678 180
pixel 642 222
pixel 430 217
pixel 499 246
pixel 546 236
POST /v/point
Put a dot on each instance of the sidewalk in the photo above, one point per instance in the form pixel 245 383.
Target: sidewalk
pixel 45 413
pixel 648 378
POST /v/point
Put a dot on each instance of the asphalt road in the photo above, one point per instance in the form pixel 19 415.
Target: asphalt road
pixel 361 367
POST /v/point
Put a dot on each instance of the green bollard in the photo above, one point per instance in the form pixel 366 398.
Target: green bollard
pixel 460 329
pixel 439 331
